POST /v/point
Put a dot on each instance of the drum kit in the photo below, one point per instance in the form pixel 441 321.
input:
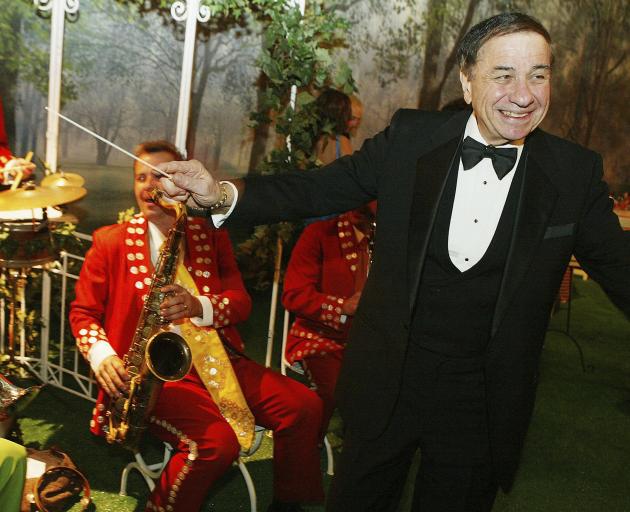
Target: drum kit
pixel 28 212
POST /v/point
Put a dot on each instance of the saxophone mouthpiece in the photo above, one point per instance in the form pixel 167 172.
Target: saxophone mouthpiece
pixel 158 197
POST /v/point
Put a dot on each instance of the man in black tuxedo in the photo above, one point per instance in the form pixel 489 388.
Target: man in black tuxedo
pixel 478 217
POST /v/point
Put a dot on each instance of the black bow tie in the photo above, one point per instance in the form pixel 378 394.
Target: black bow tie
pixel 503 159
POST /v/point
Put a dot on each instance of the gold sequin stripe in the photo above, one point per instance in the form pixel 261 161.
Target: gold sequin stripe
pixel 192 456
pixel 347 239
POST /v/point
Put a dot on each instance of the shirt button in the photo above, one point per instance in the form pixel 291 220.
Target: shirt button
pixel 485 182
pixel 465 259
pixel 476 221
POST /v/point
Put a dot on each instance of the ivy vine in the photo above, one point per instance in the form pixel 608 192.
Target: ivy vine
pixel 298 50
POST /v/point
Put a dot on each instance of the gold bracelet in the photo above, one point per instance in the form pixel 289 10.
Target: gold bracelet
pixel 222 200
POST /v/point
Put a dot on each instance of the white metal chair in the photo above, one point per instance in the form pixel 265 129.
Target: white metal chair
pixel 284 364
pixel 298 368
pixel 151 472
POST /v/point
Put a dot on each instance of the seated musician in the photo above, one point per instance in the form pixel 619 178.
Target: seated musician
pixel 9 164
pixel 190 414
pixel 322 287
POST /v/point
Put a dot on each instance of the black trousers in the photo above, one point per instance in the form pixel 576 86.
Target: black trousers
pixel 441 410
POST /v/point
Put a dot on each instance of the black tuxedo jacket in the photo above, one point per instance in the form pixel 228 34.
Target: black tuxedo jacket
pixel 564 209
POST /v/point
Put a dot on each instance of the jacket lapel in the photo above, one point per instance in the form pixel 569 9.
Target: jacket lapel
pixel 431 173
pixel 536 204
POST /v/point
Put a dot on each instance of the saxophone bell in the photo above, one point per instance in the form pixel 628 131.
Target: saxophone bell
pixel 168 356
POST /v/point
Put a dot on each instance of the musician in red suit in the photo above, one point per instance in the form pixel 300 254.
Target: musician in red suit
pixel 5 152
pixel 322 287
pixel 9 164
pixel 109 297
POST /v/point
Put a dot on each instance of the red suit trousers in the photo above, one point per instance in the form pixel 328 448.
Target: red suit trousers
pixel 206 446
pixel 323 372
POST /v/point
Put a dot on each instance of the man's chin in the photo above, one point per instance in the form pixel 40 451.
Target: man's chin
pixel 149 209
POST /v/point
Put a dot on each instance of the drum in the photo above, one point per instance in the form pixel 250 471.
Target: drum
pixel 27 243
pixel 25 216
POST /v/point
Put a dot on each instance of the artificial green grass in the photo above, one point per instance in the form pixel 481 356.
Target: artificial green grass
pixel 576 458
pixel 577 454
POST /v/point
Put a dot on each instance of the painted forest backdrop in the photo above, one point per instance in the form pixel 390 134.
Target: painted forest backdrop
pixel 122 62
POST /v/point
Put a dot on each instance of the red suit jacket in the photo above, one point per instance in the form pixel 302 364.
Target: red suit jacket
pixel 4 141
pixel 115 277
pixel 320 275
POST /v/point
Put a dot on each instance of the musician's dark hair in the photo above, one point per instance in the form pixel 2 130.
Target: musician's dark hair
pixel 157 146
pixel 334 108
pixel 495 26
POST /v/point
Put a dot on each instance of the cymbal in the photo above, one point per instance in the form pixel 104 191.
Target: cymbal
pixel 63 179
pixel 38 197
pixel 53 214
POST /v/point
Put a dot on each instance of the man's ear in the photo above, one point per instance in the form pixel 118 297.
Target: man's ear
pixel 465 87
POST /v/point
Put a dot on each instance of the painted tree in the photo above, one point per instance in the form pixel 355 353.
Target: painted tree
pixel 420 39
pixel 591 72
pixel 597 48
pixel 23 60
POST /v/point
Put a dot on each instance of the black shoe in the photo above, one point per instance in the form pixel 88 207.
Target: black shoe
pixel 281 506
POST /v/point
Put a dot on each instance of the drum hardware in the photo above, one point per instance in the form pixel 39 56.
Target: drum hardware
pixel 16 266
pixel 27 241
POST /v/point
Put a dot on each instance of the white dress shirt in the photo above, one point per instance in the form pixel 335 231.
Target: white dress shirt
pixel 479 200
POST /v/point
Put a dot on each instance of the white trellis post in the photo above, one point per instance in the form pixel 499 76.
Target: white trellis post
pixel 59 9
pixel 192 11
pixel 301 4
pixel 271 328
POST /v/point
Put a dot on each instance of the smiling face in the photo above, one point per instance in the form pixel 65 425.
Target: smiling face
pixel 144 182
pixel 509 86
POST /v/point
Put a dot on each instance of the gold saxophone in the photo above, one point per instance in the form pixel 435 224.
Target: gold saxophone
pixel 156 355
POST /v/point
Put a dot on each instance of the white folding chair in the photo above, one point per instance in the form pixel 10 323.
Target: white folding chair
pixel 299 369
pixel 151 472
pixel 285 329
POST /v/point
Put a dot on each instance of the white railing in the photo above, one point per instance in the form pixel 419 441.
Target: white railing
pixel 62 365
pixel 54 358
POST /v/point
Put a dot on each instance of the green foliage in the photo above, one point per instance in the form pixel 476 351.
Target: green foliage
pixel 24 54
pixel 297 51
pixel 257 254
pixel 64 238
pixel 125 215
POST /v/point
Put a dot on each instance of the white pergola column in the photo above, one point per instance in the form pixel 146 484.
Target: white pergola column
pixel 301 4
pixel 271 327
pixel 59 9
pixel 192 12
